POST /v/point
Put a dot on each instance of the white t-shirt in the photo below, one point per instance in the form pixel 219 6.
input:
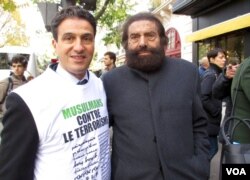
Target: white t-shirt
pixel 73 127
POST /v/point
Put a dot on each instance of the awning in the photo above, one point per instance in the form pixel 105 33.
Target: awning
pixel 239 22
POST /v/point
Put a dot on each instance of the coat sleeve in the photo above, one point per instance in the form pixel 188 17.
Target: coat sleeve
pixel 197 165
pixel 245 82
pixel 105 82
pixel 206 95
pixel 201 143
pixel 19 141
pixel 222 87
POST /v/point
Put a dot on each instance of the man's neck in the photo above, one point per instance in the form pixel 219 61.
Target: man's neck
pixel 110 67
pixel 19 77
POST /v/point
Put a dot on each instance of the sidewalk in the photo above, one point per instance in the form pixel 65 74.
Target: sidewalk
pixel 215 162
pixel 215 165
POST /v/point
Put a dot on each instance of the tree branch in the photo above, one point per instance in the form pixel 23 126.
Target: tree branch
pixel 104 7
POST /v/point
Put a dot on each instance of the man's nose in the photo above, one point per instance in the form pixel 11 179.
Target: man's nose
pixel 142 41
pixel 78 46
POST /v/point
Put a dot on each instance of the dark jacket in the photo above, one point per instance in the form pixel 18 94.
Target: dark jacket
pixel 242 103
pixel 222 91
pixel 158 123
pixel 211 105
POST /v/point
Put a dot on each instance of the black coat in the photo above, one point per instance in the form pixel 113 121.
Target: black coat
pixel 211 105
pixel 222 91
pixel 158 122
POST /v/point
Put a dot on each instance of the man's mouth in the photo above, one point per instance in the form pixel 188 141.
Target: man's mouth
pixel 78 57
pixel 144 53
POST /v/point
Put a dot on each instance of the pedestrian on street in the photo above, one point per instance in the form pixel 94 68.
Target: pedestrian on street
pixel 56 127
pixel 159 125
pixel 222 88
pixel 203 65
pixel 109 62
pixel 18 65
pixel 211 105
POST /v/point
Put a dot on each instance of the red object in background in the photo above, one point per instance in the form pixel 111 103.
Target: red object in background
pixel 54 60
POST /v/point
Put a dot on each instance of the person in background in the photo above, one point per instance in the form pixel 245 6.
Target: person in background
pixel 159 125
pixel 109 62
pixel 241 87
pixel 222 91
pixel 56 126
pixel 18 65
pixel 211 105
pixel 222 86
pixel 203 65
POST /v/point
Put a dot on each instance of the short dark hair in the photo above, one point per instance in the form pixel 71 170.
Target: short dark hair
pixel 111 55
pixel 143 16
pixel 71 12
pixel 19 59
pixel 214 52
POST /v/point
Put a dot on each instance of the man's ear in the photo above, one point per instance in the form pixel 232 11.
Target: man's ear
pixel 54 43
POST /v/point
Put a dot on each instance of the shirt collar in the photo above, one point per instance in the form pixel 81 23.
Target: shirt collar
pixel 65 74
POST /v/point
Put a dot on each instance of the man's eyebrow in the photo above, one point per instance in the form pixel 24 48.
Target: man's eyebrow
pixel 67 34
pixel 88 34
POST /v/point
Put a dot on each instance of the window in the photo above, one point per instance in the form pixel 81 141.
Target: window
pixel 174 44
pixel 232 43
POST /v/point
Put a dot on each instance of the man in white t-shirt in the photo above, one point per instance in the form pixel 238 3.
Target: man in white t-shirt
pixel 57 125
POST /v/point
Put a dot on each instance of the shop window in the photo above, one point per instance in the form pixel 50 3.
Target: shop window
pixel 173 48
pixel 232 43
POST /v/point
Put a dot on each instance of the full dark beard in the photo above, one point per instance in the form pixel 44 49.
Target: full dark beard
pixel 149 63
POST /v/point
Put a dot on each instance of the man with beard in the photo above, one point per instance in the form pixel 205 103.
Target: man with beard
pixel 155 110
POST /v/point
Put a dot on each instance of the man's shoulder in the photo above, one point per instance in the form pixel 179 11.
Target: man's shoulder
pixel 209 72
pixel 118 70
pixel 35 86
pixel 246 63
pixel 244 69
pixel 4 83
pixel 179 61
pixel 180 64
pixel 4 80
pixel 115 74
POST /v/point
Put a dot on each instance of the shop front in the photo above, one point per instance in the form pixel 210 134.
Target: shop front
pixel 218 23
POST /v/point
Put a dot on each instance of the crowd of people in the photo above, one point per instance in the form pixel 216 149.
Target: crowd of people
pixel 165 113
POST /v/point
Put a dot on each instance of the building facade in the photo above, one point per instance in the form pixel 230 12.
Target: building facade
pixel 217 23
pixel 177 28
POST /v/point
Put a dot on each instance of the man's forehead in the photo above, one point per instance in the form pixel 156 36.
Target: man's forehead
pixel 142 25
pixel 75 26
pixel 16 63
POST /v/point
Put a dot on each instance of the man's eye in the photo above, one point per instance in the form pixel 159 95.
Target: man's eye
pixel 151 36
pixel 134 38
pixel 87 39
pixel 68 38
